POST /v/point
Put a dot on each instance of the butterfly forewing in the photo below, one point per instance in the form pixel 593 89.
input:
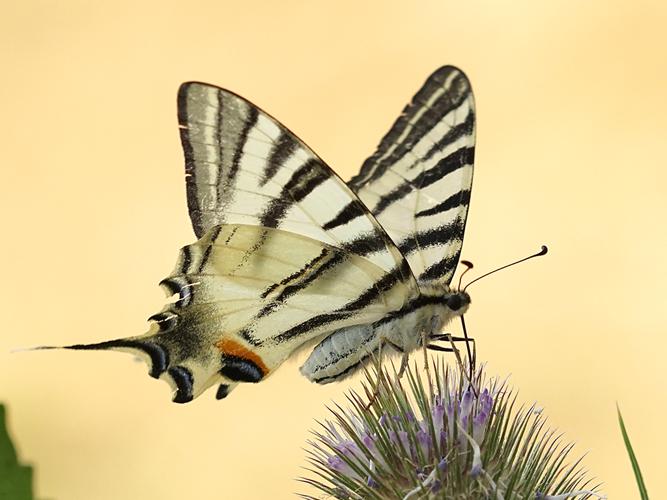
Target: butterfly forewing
pixel 417 183
pixel 244 167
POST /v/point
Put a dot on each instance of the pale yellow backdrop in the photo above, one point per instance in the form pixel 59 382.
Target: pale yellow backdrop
pixel 572 141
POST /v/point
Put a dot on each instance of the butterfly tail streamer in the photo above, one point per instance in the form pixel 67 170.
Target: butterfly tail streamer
pixel 185 374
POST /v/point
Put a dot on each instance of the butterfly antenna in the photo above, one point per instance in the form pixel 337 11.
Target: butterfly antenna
pixel 543 251
pixel 469 266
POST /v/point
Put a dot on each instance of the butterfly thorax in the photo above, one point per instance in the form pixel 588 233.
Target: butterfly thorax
pixel 428 314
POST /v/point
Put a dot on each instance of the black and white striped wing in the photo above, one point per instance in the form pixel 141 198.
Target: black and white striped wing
pixel 244 167
pixel 417 183
pixel 286 253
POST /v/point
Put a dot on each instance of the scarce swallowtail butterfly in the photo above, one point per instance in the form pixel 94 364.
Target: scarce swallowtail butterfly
pixel 288 253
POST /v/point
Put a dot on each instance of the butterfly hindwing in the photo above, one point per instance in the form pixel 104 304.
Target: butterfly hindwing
pixel 417 183
pixel 246 297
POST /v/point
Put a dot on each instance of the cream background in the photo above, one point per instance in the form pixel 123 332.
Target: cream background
pixel 571 152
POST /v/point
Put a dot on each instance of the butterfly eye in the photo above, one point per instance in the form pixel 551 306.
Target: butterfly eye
pixel 455 302
pixel 166 321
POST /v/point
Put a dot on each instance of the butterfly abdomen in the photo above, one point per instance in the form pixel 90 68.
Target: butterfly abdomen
pixel 347 349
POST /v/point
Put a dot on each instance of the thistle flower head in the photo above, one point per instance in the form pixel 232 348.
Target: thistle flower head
pixel 442 436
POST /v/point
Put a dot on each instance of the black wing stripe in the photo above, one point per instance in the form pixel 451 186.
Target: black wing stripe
pixel 220 147
pixel 207 253
pixel 458 159
pixel 250 122
pixel 432 237
pixel 186 259
pixel 303 181
pixel 297 274
pixel 440 269
pixel 455 200
pixel 324 265
pixel 347 214
pixel 280 152
pixel 301 280
pixel 365 244
pixel 396 194
pixel 190 164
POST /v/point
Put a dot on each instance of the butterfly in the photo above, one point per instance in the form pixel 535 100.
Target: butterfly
pixel 289 255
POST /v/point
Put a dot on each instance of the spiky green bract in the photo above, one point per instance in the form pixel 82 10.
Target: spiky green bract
pixel 633 459
pixel 438 436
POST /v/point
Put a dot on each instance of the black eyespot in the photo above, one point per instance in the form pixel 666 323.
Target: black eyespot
pixel 174 286
pixel 166 321
pixel 184 381
pixel 240 369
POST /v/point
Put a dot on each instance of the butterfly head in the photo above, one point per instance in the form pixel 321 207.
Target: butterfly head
pixel 458 302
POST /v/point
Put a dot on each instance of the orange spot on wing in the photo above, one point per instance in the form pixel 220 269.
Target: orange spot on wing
pixel 233 348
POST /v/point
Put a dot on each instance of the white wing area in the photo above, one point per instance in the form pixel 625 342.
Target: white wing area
pixel 417 183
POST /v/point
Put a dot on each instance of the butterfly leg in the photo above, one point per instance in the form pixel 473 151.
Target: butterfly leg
pixel 425 351
pixel 448 337
pixel 378 375
pixel 469 374
pixel 404 364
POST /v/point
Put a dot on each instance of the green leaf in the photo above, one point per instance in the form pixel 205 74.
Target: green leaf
pixel 15 479
pixel 633 458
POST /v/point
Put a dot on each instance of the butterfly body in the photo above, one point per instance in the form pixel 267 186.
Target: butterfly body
pixel 288 254
pixel 343 351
